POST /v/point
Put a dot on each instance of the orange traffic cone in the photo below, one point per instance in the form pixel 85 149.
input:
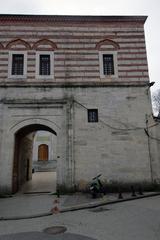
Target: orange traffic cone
pixel 55 208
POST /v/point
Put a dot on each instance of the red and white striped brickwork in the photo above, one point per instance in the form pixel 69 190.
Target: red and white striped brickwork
pixel 76 42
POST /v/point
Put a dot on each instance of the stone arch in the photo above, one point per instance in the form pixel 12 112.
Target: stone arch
pixel 47 124
pixel 18 44
pixel 44 45
pixel 107 42
pixel 34 127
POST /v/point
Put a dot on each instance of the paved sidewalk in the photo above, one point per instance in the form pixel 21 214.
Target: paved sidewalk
pixel 22 206
pixel 42 236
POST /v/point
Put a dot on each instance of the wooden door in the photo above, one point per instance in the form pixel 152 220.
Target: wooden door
pixel 43 152
pixel 15 167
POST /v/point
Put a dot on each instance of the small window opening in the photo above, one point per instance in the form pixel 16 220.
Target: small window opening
pixel 92 115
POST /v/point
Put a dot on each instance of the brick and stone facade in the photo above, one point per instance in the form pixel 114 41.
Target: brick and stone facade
pixel 116 145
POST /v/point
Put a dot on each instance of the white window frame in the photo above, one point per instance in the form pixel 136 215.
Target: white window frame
pixel 10 59
pixel 51 76
pixel 102 75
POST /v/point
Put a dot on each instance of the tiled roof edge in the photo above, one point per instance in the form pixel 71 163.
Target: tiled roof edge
pixel 71 18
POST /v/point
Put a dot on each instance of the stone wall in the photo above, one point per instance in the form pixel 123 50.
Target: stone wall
pixel 115 146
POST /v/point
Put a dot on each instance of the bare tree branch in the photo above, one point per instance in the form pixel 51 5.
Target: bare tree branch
pixel 156 101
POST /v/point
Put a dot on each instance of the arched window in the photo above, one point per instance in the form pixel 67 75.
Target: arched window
pixel 44 58
pixel 43 152
pixel 17 58
pixel 108 58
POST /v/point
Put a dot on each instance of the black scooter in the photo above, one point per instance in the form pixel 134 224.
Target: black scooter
pixel 96 187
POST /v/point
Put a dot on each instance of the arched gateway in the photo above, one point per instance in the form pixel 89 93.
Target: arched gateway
pixel 20 127
pixel 23 154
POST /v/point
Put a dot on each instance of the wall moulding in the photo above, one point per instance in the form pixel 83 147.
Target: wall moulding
pixel 44 44
pixel 18 42
pixel 32 101
pixel 1 46
pixel 74 84
pixel 107 42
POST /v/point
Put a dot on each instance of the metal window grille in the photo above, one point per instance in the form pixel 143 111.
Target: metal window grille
pixel 92 115
pixel 44 67
pixel 17 64
pixel 108 64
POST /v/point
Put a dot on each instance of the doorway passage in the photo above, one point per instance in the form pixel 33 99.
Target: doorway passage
pixel 43 152
pixel 35 163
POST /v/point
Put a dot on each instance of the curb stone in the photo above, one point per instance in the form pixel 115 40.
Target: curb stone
pixel 105 202
pixel 80 207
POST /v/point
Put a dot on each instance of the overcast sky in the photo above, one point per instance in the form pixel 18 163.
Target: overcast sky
pixel 151 8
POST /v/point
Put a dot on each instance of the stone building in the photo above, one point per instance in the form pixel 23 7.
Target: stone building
pixel 83 79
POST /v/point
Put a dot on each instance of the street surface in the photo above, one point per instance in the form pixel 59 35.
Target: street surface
pixel 133 220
